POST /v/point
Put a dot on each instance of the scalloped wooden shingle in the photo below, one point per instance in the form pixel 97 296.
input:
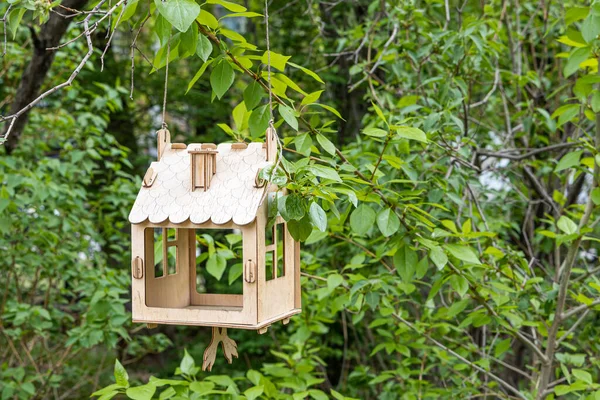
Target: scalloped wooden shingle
pixel 231 196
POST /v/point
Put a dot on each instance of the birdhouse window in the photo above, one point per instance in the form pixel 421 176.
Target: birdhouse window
pixel 219 264
pixel 275 251
pixel 165 252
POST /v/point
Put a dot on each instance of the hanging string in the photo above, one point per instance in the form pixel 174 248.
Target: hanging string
pixel 272 131
pixel 271 121
pixel 164 106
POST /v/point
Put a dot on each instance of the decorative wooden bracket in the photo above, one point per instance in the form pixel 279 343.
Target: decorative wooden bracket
pixel 219 335
pixel 150 177
pixel 271 142
pixel 249 268
pixel 137 268
pixel 163 139
pixel 258 181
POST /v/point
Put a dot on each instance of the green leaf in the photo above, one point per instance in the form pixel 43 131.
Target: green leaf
pixel 388 222
pixel 324 172
pixel 294 207
pixel 379 113
pixel 303 143
pixel 566 225
pixel 144 392
pixel 198 75
pixel 334 280
pixel 14 19
pixel 189 42
pixel 582 375
pixel 187 363
pixel 300 230
pixel 288 115
pixel 362 219
pixel 206 18
pixel 307 72
pixel 221 78
pixel 259 121
pixel 596 196
pixel 375 132
pixel 204 47
pixel 318 216
pixel 576 57
pixel 326 144
pixel 201 387
pixel 330 109
pixel 248 14
pixel 311 97
pixel 438 256
pixel 277 60
pixel 234 273
pixel 410 133
pixel 252 95
pixel 215 265
pixel 595 101
pixel 233 7
pixel 460 284
pixel 569 160
pixel 502 347
pixel 180 13
pixel 254 392
pixel 405 261
pixel 463 253
pixel 590 29
pixel 121 376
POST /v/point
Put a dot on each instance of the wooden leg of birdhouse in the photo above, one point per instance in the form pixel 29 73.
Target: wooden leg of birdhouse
pixel 219 335
pixel 285 321
pixel 263 330
pixel 151 326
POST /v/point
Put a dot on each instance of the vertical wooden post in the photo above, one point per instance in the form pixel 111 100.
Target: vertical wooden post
pixel 163 139
pixel 271 142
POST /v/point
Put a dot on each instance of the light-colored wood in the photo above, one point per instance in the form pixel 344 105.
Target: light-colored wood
pixel 137 267
pixel 263 330
pixel 203 166
pixel 199 322
pixel 258 181
pixel 213 299
pixel 250 271
pixel 228 174
pixel 271 142
pixel 151 326
pixel 167 291
pixel 163 140
pixel 232 195
pixel 219 335
pixel 296 272
pixel 149 177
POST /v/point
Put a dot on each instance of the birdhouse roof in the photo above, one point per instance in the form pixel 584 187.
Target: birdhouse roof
pixel 232 195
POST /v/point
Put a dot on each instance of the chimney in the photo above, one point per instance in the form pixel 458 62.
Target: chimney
pixel 203 160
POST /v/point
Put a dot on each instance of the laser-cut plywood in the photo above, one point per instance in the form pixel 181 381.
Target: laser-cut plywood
pixel 232 195
pixel 232 200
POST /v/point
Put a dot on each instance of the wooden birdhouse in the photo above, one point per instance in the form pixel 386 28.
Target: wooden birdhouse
pixel 196 189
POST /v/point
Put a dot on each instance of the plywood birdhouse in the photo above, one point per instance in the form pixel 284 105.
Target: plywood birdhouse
pixel 195 189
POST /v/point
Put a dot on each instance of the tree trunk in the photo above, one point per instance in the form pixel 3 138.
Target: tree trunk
pixel 49 35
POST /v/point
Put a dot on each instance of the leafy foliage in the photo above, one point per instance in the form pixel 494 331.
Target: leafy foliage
pixel 440 164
